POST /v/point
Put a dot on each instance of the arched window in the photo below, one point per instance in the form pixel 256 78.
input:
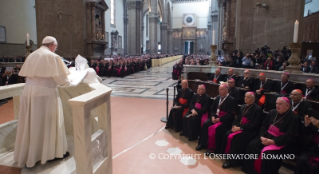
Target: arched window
pixel 112 13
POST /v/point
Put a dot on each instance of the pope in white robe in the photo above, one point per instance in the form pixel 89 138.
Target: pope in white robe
pixel 41 132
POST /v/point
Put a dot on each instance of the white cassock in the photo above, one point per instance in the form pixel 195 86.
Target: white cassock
pixel 41 132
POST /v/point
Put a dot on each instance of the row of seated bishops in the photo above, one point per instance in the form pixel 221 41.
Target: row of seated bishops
pixel 244 134
pixel 120 67
pixel 263 86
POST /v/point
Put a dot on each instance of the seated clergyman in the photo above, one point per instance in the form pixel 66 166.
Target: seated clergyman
pixel 198 109
pixel 261 86
pixel 244 129
pixel 233 90
pixel 311 92
pixel 219 121
pixel 231 75
pixel 181 106
pixel 246 81
pixel 284 86
pixel 309 160
pixel 277 136
pixel 216 77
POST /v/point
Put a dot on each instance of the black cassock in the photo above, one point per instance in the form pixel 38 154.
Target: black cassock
pixel 235 93
pixel 313 94
pixel 264 87
pixel 249 119
pixel 229 106
pixel 214 78
pixel 302 109
pixel 284 88
pixel 228 77
pixel 192 124
pixel 309 159
pixel 242 82
pixel 175 118
pixel 288 125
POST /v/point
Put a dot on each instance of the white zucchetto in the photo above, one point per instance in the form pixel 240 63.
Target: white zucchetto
pixel 49 39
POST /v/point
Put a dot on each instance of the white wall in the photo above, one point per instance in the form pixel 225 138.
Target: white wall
pixel 19 19
pixel 201 9
pixel 119 25
pixel 312 6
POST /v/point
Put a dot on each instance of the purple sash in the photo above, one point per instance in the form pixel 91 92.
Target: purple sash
pixel 283 92
pixel 204 116
pixel 119 71
pixel 273 130
pixel 176 72
pixel 244 120
pixel 211 144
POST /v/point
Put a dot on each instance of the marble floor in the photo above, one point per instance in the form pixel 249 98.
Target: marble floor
pixel 140 144
pixel 151 83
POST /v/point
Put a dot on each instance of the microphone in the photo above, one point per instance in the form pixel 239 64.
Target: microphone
pixel 66 61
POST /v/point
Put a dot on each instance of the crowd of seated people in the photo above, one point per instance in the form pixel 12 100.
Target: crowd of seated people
pixel 188 60
pixel 266 59
pixel 12 59
pixel 195 60
pixel 8 78
pixel 121 66
pixel 288 131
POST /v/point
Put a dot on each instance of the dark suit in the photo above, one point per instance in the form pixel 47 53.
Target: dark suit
pixel 313 95
pixel 313 69
pixel 305 69
pixel 245 82
pixel 4 60
pixel 266 87
pixel 286 88
pixel 219 78
pixel 11 80
pixel 227 77
pixel 235 93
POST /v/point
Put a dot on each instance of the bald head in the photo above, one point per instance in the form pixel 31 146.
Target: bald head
pixel 230 71
pixel 285 77
pixel 249 98
pixel 184 84
pixel 310 83
pixel 217 71
pixel 246 73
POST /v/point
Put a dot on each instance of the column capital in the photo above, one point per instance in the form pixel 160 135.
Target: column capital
pixel 134 5
pixel 153 19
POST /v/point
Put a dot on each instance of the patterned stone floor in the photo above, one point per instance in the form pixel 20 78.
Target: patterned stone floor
pixel 151 83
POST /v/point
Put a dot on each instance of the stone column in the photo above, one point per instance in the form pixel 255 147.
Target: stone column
pixel 153 18
pixel 220 24
pixel 164 38
pixel 142 39
pixel 134 27
pixel 125 19
pixel 210 36
pixel 170 41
